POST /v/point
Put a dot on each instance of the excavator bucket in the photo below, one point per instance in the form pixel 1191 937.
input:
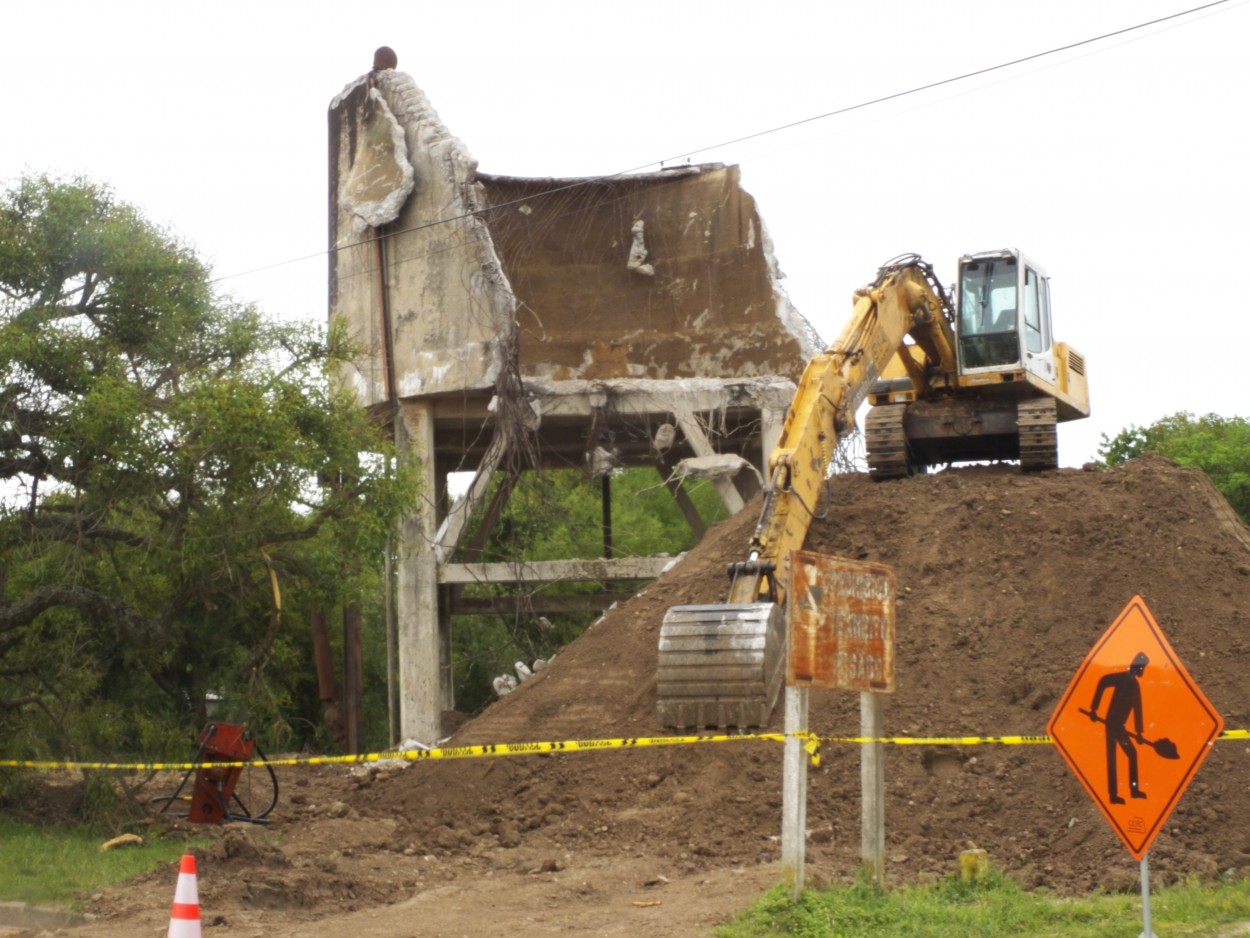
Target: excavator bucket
pixel 720 665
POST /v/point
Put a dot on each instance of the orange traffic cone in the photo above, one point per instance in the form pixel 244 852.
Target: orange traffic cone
pixel 184 917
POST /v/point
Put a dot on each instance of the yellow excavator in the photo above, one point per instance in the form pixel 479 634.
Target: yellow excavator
pixel 980 378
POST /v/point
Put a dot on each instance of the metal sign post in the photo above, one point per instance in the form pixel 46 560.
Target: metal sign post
pixel 1147 931
pixel 872 788
pixel 794 792
pixel 841 636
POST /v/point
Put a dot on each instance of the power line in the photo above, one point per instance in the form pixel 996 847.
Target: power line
pixel 947 81
pixel 752 136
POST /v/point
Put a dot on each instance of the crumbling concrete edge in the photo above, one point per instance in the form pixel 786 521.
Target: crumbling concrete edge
pixel 425 132
pixel 788 315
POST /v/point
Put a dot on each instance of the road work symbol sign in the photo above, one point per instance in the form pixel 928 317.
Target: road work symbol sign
pixel 841 624
pixel 1134 727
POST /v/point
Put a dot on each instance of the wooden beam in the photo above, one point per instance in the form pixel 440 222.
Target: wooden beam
pixel 539 604
pixel 554 571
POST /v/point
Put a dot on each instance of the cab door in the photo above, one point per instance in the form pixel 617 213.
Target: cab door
pixel 1039 355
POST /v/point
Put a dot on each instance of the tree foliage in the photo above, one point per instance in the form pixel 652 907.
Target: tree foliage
pixel 1219 446
pixel 558 515
pixel 172 467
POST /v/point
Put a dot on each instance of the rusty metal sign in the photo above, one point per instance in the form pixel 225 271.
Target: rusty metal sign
pixel 841 624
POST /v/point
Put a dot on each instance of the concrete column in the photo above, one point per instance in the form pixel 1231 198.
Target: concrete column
pixel 417 614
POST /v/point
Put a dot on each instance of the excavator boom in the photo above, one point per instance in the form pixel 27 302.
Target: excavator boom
pixel 905 300
pixel 985 382
pixel 721 665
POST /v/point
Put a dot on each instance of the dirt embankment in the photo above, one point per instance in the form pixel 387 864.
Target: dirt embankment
pixel 1004 580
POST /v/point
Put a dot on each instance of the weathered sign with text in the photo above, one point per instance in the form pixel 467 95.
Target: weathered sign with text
pixel 841 624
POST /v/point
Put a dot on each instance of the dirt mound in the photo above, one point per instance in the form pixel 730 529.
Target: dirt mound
pixel 1004 581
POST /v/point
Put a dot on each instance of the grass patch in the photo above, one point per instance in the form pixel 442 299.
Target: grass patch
pixel 993 907
pixel 49 867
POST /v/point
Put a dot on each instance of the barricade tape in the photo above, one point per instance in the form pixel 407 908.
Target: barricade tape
pixel 939 740
pixel 811 744
pixel 418 755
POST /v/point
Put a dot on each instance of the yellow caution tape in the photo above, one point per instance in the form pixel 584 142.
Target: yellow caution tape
pixel 811 745
pixel 939 740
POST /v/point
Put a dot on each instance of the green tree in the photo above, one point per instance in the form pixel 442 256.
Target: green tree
pixel 558 515
pixel 172 468
pixel 1219 446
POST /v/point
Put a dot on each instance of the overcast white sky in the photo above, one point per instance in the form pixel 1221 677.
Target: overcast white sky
pixel 1120 166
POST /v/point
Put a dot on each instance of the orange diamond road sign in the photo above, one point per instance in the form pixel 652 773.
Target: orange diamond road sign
pixel 841 616
pixel 1134 727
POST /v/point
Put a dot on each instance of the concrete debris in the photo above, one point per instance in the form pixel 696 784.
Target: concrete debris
pixel 638 251
pixel 668 566
pixel 665 436
pixel 601 462
pixel 720 466
pixel 505 684
pixel 410 743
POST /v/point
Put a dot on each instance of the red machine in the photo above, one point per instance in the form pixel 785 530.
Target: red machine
pixel 214 796
pixel 214 787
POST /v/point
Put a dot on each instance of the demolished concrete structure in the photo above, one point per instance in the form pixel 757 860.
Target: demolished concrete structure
pixel 510 324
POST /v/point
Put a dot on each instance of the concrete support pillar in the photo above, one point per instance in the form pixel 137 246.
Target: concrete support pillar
pixel 418 625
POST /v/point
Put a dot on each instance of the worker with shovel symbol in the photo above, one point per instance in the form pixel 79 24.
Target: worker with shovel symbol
pixel 1125 702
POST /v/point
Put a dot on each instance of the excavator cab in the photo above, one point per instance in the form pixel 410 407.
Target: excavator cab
pixel 1012 383
pixel 989 314
pixel 1003 302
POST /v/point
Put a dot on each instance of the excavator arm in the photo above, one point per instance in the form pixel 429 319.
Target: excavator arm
pixel 721 665
pixel 904 301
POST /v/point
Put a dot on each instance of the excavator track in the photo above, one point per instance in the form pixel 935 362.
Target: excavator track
pixel 886 442
pixel 1039 440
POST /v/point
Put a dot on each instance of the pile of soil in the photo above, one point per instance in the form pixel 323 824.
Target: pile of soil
pixel 1005 581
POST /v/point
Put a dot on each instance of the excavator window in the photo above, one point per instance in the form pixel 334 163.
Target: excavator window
pixel 989 313
pixel 1036 325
